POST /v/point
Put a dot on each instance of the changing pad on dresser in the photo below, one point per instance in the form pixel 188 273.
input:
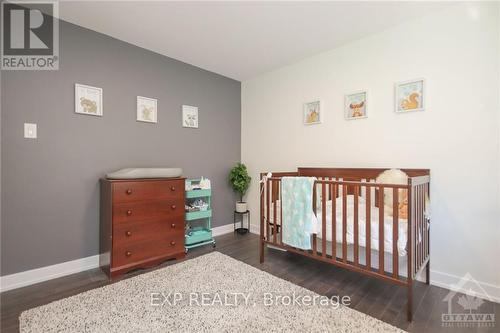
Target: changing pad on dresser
pixel 136 173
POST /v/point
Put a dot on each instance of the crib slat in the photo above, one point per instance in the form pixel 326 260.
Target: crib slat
pixel 409 253
pixel 329 188
pixel 417 228
pixel 368 226
pixel 344 223
pixel 420 233
pixel 268 208
pixel 314 198
pixel 424 225
pixel 315 245
pixel 381 229
pixel 422 255
pixel 281 216
pixel 426 192
pixel 414 231
pixel 261 227
pixel 395 232
pixel 323 219
pixel 275 203
pixel 424 222
pixel 356 221
pixel 334 221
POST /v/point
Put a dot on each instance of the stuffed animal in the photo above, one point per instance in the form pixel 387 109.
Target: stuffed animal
pixel 403 209
pixel 396 176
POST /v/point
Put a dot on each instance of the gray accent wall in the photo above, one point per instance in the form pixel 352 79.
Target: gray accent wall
pixel 50 186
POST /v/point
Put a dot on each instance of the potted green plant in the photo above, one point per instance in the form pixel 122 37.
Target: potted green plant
pixel 240 181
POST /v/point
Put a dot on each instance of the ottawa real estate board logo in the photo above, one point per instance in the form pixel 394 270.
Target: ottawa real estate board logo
pixel 29 35
pixel 465 308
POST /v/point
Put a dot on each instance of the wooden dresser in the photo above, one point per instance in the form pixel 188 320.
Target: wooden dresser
pixel 142 223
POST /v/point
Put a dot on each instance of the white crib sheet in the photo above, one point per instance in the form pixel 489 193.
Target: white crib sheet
pixel 388 222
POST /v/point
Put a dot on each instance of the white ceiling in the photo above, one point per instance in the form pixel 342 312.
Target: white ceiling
pixel 240 40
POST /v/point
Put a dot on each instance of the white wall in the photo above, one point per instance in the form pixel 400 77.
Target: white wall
pixel 457 137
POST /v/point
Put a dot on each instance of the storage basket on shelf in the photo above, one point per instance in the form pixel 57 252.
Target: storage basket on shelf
pixel 198 213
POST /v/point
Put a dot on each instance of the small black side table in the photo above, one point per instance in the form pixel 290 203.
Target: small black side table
pixel 241 230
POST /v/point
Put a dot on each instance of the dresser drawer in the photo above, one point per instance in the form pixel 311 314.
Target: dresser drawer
pixel 128 232
pixel 130 253
pixel 148 210
pixel 147 190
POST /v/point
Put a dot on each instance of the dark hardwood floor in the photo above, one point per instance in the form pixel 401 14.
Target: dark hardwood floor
pixel 378 299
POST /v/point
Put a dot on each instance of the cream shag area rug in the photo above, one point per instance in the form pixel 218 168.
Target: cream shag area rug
pixel 211 293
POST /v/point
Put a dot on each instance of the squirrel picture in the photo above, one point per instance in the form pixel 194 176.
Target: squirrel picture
pixel 412 102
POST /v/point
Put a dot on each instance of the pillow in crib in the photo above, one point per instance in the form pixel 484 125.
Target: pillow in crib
pixel 394 176
pixel 350 201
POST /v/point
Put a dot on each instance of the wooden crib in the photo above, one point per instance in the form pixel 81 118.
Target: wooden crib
pixel 334 185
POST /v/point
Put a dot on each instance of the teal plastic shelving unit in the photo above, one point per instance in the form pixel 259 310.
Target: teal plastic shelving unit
pixel 202 233
pixel 202 214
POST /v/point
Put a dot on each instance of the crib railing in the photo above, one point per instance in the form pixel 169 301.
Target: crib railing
pixel 420 222
pixel 330 188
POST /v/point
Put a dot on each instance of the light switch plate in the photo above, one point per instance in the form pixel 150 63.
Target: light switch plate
pixel 29 131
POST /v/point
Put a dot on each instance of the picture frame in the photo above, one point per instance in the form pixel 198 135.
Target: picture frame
pixel 410 96
pixel 88 100
pixel 356 105
pixel 313 112
pixel 189 116
pixel 147 109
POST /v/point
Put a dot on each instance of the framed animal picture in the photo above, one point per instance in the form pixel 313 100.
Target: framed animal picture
pixel 147 109
pixel 189 116
pixel 356 105
pixel 313 113
pixel 410 96
pixel 88 100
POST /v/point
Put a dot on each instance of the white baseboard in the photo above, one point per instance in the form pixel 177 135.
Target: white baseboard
pixel 480 289
pixel 448 281
pixel 445 280
pixel 223 229
pixel 26 278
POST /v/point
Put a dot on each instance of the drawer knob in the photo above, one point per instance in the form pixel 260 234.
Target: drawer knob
pixel 129 212
pixel 173 225
pixel 128 233
pixel 172 243
pixel 173 206
pixel 128 191
pixel 128 253
pixel 172 188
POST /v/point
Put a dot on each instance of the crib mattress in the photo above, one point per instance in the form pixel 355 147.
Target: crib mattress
pixel 374 225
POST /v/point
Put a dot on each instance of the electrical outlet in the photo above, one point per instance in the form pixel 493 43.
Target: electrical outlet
pixel 29 131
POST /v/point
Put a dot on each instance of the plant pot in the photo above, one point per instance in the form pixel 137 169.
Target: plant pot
pixel 241 207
